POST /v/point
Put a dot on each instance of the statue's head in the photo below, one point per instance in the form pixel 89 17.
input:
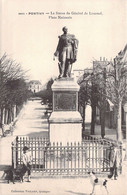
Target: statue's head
pixel 65 29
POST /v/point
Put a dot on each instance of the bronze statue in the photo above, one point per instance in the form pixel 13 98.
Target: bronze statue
pixel 66 52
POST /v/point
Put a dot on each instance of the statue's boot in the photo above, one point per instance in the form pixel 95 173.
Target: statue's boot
pixel 60 76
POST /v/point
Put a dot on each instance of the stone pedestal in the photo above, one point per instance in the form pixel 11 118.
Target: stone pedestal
pixel 65 122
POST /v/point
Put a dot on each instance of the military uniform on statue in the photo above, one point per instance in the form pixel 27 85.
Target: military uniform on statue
pixel 66 52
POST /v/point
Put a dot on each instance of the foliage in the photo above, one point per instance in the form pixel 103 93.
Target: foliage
pixel 13 87
pixel 17 92
pixel 84 94
pixel 46 94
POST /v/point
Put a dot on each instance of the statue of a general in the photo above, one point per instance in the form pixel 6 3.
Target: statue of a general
pixel 66 52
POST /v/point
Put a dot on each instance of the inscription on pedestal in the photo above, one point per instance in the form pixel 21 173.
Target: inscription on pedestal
pixel 64 101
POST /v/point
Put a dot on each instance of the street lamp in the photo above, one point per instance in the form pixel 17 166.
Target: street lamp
pixel 125 110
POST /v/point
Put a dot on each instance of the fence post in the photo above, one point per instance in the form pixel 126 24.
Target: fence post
pixel 12 149
pixel 16 151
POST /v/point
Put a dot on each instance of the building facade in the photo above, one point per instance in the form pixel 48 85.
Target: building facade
pixel 35 86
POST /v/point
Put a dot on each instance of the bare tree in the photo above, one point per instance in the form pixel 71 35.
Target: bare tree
pixel 113 85
pixel 116 85
pixel 13 89
pixel 84 99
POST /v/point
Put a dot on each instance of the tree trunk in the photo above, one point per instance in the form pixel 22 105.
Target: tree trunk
pixel 6 116
pixel 93 119
pixel 9 116
pixel 14 111
pixel 119 129
pixel 17 110
pixel 1 120
pixel 103 122
pixel 3 116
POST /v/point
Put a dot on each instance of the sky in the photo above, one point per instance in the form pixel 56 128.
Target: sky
pixel 31 39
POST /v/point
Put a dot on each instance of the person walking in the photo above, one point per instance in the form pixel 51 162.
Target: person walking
pixel 114 161
pixel 27 160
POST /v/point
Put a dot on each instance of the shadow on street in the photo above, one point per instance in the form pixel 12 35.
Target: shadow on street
pixel 39 134
pixel 78 193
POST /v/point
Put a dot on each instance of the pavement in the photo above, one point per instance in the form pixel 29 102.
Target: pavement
pixel 63 186
pixel 32 122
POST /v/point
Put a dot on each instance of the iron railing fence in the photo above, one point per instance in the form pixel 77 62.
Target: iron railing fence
pixel 72 159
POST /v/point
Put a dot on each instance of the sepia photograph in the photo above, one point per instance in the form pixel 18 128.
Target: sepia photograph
pixel 63 97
